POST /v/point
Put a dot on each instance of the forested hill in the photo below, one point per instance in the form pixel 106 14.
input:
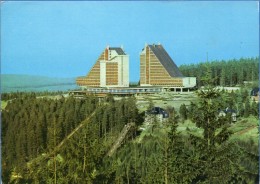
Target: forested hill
pixel 227 73
pixel 13 83
pixel 68 140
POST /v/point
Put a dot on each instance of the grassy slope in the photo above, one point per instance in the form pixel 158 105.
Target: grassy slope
pixel 164 100
pixel 3 104
pixel 245 129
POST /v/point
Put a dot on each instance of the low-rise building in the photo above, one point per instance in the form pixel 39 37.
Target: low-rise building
pixel 156 114
pixel 227 111
pixel 255 93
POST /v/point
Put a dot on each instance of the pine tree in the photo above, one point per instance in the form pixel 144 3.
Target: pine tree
pixel 254 109
pixel 223 78
pixel 180 169
pixel 247 108
pixel 215 157
pixel 183 112
pixel 191 110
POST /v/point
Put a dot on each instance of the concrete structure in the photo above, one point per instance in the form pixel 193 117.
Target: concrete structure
pixel 227 89
pixel 110 70
pixel 127 91
pixel 158 69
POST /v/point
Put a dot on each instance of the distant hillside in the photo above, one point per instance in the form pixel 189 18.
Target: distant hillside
pixel 12 83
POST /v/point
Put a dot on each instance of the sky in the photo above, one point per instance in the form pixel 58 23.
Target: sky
pixel 64 39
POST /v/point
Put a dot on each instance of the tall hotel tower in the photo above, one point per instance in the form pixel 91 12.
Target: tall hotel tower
pixel 110 70
pixel 158 69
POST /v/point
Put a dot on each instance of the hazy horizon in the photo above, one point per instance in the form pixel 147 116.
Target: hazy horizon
pixel 64 39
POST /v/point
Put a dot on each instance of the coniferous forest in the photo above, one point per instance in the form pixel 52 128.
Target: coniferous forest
pixel 227 73
pixel 88 140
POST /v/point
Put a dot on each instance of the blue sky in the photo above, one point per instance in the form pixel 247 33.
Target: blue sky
pixel 64 39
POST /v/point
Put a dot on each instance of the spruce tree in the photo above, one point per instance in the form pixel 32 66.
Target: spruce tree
pixel 183 112
pixel 214 154
pixel 223 77
pixel 177 158
pixel 255 109
pixel 247 108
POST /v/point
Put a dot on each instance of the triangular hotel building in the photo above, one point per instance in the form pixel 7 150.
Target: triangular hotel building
pixel 110 70
pixel 158 69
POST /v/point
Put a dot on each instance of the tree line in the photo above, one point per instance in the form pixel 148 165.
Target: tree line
pixel 227 73
pixel 21 94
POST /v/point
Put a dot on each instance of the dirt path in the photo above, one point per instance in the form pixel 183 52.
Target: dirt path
pixel 245 130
